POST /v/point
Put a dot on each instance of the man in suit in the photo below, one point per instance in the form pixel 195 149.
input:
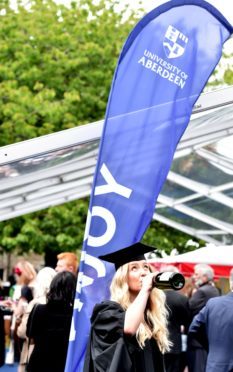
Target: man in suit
pixel 205 289
pixel 178 320
pixel 212 327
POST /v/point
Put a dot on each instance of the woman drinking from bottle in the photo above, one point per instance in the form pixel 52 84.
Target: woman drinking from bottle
pixel 129 332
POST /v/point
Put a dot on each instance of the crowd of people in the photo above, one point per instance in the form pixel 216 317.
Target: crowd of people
pixel 140 328
pixel 40 307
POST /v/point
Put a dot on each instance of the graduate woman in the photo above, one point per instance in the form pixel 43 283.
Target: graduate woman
pixel 129 332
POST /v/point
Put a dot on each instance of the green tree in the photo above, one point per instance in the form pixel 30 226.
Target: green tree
pixel 57 65
pixel 56 68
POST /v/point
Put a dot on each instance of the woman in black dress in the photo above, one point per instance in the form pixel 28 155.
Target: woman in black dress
pixel 129 332
pixel 48 325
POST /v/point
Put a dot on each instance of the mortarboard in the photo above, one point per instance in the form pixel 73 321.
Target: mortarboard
pixel 134 252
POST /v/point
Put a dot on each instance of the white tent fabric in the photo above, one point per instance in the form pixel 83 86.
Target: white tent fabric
pixel 197 197
pixel 220 258
pixel 211 254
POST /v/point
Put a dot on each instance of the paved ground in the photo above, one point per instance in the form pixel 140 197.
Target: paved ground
pixel 9 368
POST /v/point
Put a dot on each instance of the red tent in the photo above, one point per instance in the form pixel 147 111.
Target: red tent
pixel 220 258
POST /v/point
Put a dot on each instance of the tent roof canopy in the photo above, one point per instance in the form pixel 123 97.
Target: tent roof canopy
pixel 197 197
pixel 210 255
pixel 220 258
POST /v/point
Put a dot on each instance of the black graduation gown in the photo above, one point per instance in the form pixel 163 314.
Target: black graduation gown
pixel 109 350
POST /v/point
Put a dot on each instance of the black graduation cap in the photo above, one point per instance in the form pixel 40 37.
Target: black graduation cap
pixel 134 252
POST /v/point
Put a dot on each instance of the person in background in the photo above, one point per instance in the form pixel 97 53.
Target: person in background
pixel 25 275
pixel 188 288
pixel 5 324
pixel 12 281
pixel 67 261
pixel 205 289
pixel 129 332
pixel 2 338
pixel 42 284
pixel 48 325
pixel 212 327
pixel 178 323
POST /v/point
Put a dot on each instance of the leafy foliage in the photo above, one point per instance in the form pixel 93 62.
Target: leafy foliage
pixel 56 68
pixel 57 229
pixel 165 239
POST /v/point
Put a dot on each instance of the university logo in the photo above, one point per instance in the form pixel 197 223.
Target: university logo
pixel 174 42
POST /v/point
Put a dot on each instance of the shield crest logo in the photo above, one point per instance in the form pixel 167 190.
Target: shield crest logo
pixel 174 42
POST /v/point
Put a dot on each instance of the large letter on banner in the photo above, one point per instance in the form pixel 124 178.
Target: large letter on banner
pixel 163 67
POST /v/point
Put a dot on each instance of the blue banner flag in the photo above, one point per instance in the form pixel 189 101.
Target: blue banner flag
pixel 163 67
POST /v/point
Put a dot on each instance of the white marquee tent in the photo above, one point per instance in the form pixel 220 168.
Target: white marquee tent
pixel 219 257
pixel 197 197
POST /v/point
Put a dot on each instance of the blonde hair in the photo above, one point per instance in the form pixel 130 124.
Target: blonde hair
pixel 43 281
pixel 28 270
pixel 155 316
